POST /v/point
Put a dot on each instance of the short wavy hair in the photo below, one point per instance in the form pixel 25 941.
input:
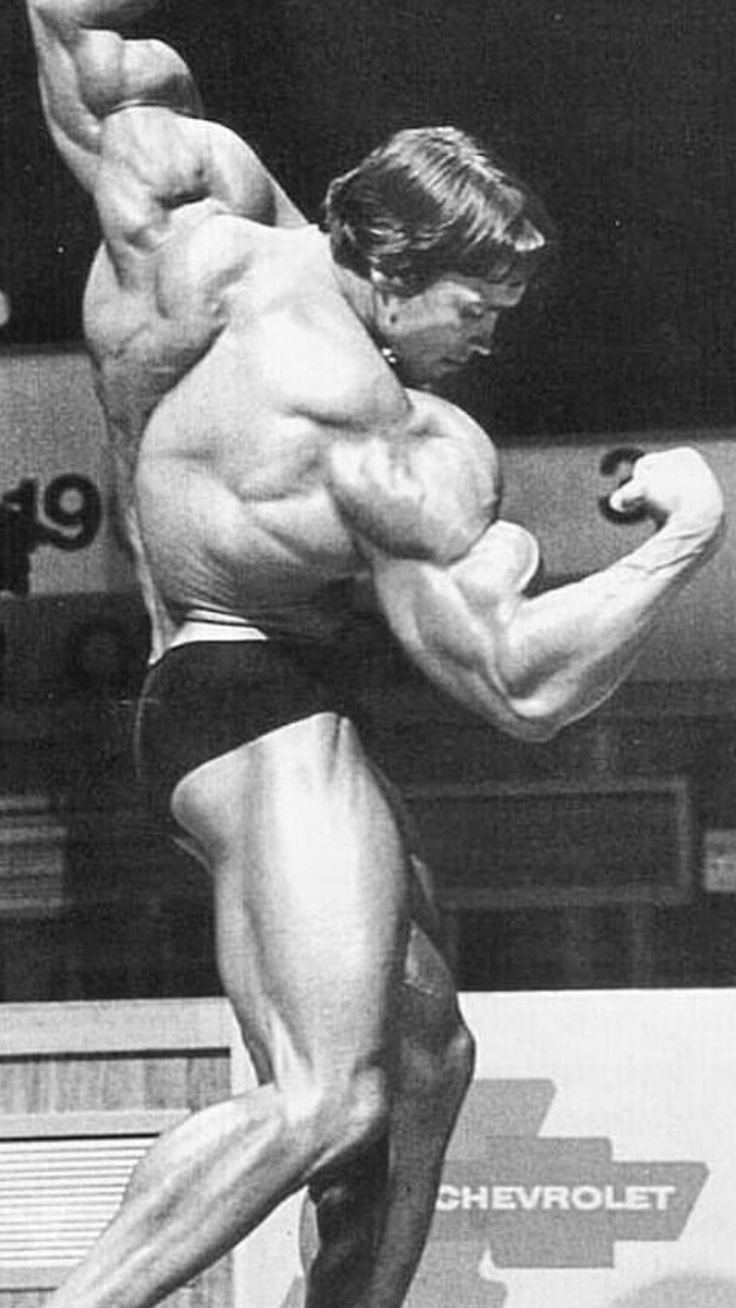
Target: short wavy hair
pixel 431 201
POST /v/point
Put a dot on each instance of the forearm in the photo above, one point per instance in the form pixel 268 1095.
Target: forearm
pixel 533 665
pixel 567 650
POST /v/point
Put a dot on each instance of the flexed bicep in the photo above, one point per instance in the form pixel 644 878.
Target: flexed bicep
pixel 458 622
pixel 532 663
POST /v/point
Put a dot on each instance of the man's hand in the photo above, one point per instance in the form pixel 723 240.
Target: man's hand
pixel 675 487
pixel 71 14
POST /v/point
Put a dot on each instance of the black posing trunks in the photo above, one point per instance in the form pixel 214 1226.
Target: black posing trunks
pixel 203 699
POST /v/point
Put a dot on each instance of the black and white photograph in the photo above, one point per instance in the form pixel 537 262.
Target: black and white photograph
pixel 367 654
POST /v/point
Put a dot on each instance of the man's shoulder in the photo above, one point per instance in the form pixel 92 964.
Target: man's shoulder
pixel 210 245
pixel 177 294
pixel 349 388
pixel 311 346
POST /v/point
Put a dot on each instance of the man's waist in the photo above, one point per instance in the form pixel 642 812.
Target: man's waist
pixel 309 623
pixel 200 625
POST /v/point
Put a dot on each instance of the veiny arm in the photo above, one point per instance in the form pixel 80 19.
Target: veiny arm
pixel 532 665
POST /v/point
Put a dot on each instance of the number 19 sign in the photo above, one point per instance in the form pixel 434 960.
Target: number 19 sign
pixel 66 515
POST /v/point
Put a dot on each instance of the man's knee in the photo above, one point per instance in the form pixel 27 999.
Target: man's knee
pixel 455 1064
pixel 338 1116
pixel 438 1074
pixel 460 1058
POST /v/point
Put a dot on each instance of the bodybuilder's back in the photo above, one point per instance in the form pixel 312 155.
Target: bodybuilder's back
pixel 232 481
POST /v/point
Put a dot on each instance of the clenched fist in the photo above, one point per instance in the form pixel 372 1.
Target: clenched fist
pixel 676 487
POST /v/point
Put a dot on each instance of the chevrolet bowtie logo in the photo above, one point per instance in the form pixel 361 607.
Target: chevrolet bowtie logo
pixel 511 1198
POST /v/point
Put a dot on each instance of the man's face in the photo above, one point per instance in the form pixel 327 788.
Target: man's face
pixel 437 332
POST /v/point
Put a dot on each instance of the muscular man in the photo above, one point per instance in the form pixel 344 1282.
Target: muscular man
pixel 268 454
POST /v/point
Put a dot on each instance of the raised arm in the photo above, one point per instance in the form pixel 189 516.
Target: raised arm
pixel 87 70
pixel 145 165
pixel 532 665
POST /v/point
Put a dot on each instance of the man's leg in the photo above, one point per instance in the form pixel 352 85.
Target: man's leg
pixel 376 1214
pixel 310 884
pixel 373 1217
pixel 437 1059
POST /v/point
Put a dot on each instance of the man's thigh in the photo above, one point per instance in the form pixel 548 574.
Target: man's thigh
pixel 311 883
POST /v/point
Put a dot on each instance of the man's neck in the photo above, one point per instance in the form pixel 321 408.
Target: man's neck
pixel 359 294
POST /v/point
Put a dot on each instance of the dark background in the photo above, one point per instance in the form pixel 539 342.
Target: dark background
pixel 621 114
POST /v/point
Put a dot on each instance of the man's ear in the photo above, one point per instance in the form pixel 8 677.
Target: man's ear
pixel 387 288
pixel 380 284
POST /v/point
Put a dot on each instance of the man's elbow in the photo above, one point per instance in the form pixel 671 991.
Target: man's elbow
pixel 541 714
pixel 528 723
pixel 530 714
